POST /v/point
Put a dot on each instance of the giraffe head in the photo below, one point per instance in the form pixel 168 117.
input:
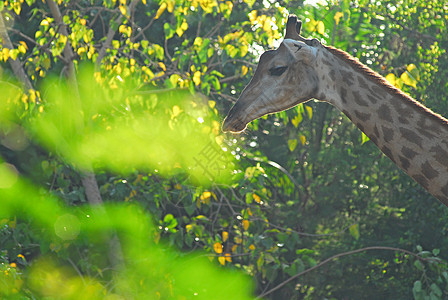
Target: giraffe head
pixel 284 78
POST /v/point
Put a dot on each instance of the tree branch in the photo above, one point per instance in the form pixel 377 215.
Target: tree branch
pixel 341 255
pixel 15 63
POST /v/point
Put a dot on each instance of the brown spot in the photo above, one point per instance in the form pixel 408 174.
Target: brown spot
pixel 387 151
pixel 362 116
pixel 388 133
pixel 426 133
pixel 362 83
pixel 408 152
pixel 378 90
pixel 411 136
pixel 358 99
pixel 343 92
pixel 421 180
pixel 347 77
pixel 372 99
pixel 440 155
pixel 405 164
pixel 402 109
pixel 429 171
pixel 384 113
pixel 376 131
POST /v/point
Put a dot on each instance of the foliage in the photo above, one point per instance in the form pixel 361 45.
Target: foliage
pixel 143 111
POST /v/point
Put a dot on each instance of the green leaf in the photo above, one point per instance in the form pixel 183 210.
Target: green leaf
pixel 418 264
pixel 364 138
pixel 292 144
pixel 436 290
pixel 417 286
pixel 354 231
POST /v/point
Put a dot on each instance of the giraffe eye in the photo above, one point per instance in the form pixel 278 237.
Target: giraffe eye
pixel 277 71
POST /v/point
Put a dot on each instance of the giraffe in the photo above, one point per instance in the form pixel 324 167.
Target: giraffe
pixel 411 135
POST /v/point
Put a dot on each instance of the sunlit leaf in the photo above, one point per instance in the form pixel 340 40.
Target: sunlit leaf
pixel 408 79
pixel 246 224
pixel 292 144
pixel 337 17
pixel 225 236
pixel 320 28
pixel 256 198
pixel 217 247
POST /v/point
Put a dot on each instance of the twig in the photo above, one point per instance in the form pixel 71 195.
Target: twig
pixel 341 255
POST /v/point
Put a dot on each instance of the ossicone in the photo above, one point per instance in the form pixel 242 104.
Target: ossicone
pixel 293 27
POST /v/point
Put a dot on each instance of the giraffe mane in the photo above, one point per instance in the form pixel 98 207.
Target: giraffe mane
pixel 380 80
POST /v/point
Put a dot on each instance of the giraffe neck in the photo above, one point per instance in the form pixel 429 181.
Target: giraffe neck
pixel 412 136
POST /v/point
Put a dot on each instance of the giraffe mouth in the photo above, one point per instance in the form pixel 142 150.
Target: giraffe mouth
pixel 234 125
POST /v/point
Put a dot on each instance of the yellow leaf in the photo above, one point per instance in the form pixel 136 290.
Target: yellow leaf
pixel 197 78
pixel 123 9
pixel 238 240
pixel 253 16
pixel 170 5
pixel 162 65
pixel 160 10
pixel 144 2
pixel 244 49
pixel 412 69
pixel 81 50
pixel 408 79
pixel 320 27
pixel 179 31
pixel 252 247
pixel 297 119
pixel 245 224
pixel 211 103
pixel 244 70
pixel 337 17
pixel 22 47
pixel 309 110
pixel 176 111
pixel 267 25
pixel 225 236
pixel 217 247
pixel 249 212
pixel 222 260
pixel 234 247
pixel 302 139
pixel 256 198
pixel 228 257
pixel 184 25
pixel 13 265
pixel 5 53
pixel 391 78
pixel 292 144
pixel 198 41
pixel 189 227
